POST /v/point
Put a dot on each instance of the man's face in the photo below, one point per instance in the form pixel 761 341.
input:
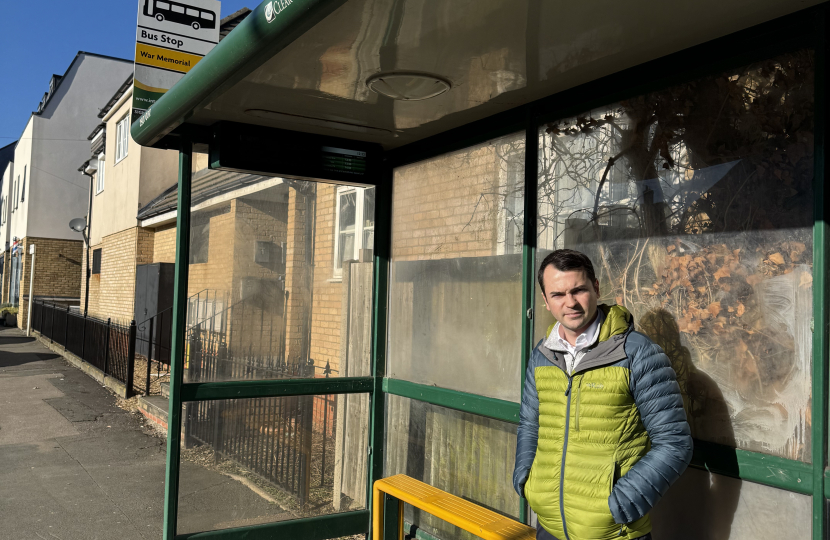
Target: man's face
pixel 570 297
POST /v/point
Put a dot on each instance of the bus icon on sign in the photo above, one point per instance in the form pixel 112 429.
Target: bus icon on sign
pixel 165 10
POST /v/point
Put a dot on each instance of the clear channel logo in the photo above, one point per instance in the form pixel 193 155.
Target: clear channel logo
pixel 272 9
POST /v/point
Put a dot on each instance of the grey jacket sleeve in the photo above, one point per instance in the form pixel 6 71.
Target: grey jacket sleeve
pixel 528 432
pixel 658 399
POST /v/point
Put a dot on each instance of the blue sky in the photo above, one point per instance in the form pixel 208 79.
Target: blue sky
pixel 41 37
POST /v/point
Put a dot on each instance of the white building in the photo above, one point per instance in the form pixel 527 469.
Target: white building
pixel 44 191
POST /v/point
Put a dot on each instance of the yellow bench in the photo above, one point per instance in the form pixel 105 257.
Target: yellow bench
pixel 455 510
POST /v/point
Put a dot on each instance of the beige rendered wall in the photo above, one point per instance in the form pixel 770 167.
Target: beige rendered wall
pixel 8 175
pixel 114 209
pixel 131 183
pixel 57 271
pixel 16 218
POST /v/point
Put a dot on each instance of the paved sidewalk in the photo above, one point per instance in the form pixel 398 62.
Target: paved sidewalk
pixel 75 466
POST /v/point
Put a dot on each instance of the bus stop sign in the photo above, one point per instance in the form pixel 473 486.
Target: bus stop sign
pixel 170 38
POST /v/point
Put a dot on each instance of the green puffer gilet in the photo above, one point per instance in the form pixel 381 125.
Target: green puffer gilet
pixel 590 428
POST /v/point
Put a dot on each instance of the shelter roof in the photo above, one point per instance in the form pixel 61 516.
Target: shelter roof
pixel 304 65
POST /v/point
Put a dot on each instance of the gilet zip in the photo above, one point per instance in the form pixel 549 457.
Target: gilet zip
pixel 564 452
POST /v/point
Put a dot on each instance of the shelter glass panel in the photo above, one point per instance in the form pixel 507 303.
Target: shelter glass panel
pixel 251 461
pixel 706 505
pixel 467 455
pixel 266 300
pixel 455 282
pixel 695 205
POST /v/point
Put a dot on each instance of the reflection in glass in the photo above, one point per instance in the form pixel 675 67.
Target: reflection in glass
pixel 707 505
pixel 455 288
pixel 266 300
pixel 252 461
pixel 464 454
pixel 695 205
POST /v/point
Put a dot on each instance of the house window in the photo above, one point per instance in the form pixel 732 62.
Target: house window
pixel 14 194
pixel 23 189
pixel 354 223
pixel 96 261
pixel 199 238
pixel 121 138
pixel 100 175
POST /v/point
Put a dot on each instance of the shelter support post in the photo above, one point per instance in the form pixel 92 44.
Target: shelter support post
pixel 821 303
pixel 382 251
pixel 171 494
pixel 528 254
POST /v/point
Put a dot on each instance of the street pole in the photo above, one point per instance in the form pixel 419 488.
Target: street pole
pixel 31 291
pixel 87 237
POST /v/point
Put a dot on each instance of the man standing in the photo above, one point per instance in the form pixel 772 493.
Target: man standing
pixel 603 433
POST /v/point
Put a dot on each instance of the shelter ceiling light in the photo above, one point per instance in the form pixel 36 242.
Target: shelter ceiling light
pixel 312 121
pixel 408 86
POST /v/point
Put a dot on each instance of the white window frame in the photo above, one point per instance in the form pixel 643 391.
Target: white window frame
pixel 358 226
pixel 23 188
pixel 122 138
pixel 100 175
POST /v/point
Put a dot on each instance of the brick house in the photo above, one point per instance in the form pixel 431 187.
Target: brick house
pixel 125 177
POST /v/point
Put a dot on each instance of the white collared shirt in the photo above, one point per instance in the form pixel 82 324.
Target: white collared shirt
pixel 574 353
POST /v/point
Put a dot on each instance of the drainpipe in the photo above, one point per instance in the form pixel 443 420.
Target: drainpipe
pixel 86 239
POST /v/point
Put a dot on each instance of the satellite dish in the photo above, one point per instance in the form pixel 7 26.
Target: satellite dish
pixel 78 224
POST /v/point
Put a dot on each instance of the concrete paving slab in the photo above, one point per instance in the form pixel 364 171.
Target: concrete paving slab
pixel 75 466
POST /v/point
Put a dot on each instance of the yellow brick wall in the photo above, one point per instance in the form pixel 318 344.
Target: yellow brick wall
pixel 144 246
pixel 118 275
pixel 164 244
pixel 297 271
pixel 328 295
pixel 215 274
pixel 112 292
pixel 448 207
pixel 57 271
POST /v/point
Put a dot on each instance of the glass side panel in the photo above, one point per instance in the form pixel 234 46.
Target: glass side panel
pixel 464 454
pixel 252 461
pixel 455 309
pixel 705 505
pixel 695 205
pixel 276 289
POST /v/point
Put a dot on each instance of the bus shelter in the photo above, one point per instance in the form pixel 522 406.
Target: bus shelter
pixel 361 301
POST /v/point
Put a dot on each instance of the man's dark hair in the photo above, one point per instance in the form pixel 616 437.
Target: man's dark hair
pixel 566 260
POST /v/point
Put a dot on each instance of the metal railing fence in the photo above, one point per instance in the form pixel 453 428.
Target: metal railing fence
pixel 107 345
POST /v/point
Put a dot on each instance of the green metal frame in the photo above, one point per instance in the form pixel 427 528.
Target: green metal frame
pixel 274 388
pixel 254 41
pixel 506 411
pixel 821 302
pixel 174 414
pixel 316 528
pixel 752 466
